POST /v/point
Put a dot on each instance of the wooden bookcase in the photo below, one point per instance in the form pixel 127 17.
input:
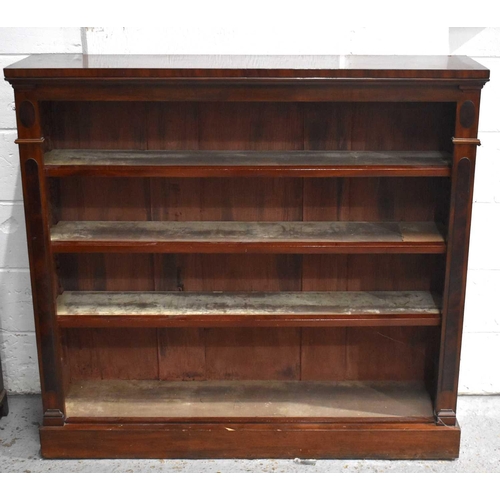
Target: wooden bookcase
pixel 251 257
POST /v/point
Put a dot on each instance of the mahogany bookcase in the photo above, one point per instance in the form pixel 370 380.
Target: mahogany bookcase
pixel 248 256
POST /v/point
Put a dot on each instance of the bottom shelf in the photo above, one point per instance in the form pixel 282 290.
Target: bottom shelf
pixel 248 401
pixel 249 419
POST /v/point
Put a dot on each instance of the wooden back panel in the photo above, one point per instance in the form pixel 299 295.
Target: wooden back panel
pixel 365 126
pixel 282 354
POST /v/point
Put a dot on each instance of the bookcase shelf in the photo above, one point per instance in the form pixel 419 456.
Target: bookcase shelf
pixel 235 237
pixel 239 401
pixel 248 258
pixel 119 309
pixel 68 162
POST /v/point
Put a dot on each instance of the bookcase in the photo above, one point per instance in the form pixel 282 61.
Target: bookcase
pixel 248 256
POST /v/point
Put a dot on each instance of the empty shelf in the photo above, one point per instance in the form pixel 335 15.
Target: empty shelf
pixel 163 309
pixel 230 237
pixel 240 400
pixel 155 163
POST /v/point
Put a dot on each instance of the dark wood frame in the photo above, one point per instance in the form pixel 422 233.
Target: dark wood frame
pixel 455 80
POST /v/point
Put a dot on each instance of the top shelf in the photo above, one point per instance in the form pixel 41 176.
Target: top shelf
pixel 246 66
pixel 151 163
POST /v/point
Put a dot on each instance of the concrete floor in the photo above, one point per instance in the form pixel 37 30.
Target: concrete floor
pixel 479 417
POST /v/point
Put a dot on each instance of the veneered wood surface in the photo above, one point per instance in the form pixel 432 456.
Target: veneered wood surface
pixel 248 399
pixel 247 90
pixel 43 282
pixel 204 66
pixel 464 159
pixel 282 440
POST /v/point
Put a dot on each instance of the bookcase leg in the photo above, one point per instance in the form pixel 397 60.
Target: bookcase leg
pixel 31 151
pixel 4 405
pixel 462 177
pixel 446 417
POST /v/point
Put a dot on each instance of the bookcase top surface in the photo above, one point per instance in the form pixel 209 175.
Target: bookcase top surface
pixel 245 66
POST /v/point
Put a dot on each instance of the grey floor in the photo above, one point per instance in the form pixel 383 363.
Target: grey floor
pixel 479 418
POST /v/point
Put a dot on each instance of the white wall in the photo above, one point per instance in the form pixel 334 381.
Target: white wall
pixel 17 338
pixel 480 371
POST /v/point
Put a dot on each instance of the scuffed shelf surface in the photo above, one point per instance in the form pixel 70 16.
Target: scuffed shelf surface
pixel 244 236
pixel 176 308
pixel 243 398
pixel 63 162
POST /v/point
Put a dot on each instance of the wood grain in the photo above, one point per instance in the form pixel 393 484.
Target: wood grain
pixel 274 353
pixel 464 159
pixel 111 355
pixel 323 353
pixel 391 353
pixel 202 66
pixel 282 440
pixel 182 354
pixel 228 272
